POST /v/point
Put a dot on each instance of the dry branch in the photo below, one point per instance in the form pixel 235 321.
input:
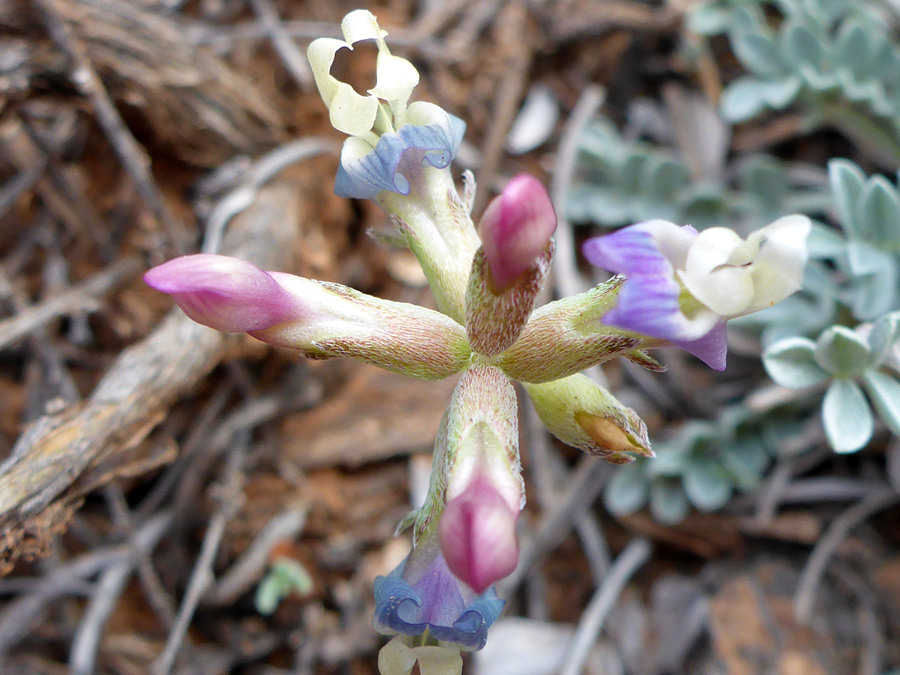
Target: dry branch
pixel 80 298
pixel 195 104
pixel 62 455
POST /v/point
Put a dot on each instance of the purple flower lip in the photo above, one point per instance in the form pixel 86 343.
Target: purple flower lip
pixel 224 293
pixel 364 172
pixel 422 594
pixel 516 228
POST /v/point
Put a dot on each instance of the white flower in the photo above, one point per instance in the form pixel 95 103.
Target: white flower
pixel 353 113
pixel 398 657
pixel 733 277
pixel 682 286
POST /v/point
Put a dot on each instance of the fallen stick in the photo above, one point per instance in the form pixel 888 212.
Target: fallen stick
pixel 65 454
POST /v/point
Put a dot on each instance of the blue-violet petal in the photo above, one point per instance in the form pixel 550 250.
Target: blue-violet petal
pixel 366 176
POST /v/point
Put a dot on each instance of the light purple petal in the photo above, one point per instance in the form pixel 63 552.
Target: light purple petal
pixel 422 594
pixel 381 169
pixel 648 300
pixel 478 535
pixel 224 293
pixel 516 227
pixel 712 348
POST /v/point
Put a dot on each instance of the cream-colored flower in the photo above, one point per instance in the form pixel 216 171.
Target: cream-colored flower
pixel 733 276
pixel 398 657
pixel 682 286
pixel 353 113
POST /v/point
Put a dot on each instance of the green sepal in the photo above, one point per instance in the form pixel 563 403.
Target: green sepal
pixel 586 416
pixel 565 337
pixel 494 317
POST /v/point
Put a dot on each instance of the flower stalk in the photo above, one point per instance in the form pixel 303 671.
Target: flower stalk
pixel 674 287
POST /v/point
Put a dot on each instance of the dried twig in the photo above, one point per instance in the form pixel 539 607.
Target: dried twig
pixel 509 95
pixel 202 576
pixel 128 150
pixel 257 175
pixel 582 488
pixel 80 298
pixel 293 60
pixel 834 535
pixel 630 560
pixel 112 582
pixel 566 278
pixel 248 569
pixel 18 617
pixel 220 35
pixel 51 456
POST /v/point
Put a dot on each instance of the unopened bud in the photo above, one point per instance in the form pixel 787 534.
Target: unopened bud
pixel 516 228
pixel 225 293
pixel 584 415
pixel 320 319
pixel 478 535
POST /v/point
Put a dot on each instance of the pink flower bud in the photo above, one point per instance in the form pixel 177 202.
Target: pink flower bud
pixel 478 535
pixel 516 228
pixel 224 293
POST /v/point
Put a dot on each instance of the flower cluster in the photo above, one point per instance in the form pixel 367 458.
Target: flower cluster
pixel 678 289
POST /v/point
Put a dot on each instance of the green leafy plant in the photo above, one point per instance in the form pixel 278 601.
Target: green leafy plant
pixel 838 336
pixel 285 576
pixel 834 58
pixel 702 465
pixel 846 358
pixel 623 182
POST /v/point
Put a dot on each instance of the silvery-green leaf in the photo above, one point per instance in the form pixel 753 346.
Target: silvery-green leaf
pixel 864 258
pixel 875 293
pixel 293 575
pixel 748 17
pixel 707 484
pixel 600 139
pixel 842 352
pixel 268 594
pixel 704 205
pixel 792 363
pixel 822 82
pixel 742 99
pixel 854 48
pixel 664 177
pixel 824 242
pixel 879 213
pixel 885 333
pixel 668 501
pixel 606 206
pixel 869 92
pixel 847 182
pixel 746 459
pixel 818 280
pixel 670 455
pixel 757 52
pixel 801 46
pixel 708 19
pixel 775 431
pixel 630 177
pixel 735 417
pixel 846 416
pixel 628 488
pixel 831 10
pixel 766 180
pixel 884 391
pixel 746 96
pixel 884 60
